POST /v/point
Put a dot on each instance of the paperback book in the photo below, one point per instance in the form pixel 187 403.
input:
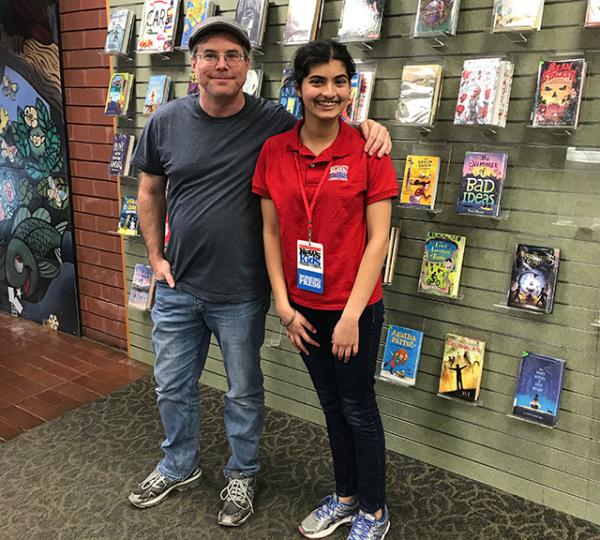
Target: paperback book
pixel 401 355
pixel 442 264
pixel 421 178
pixel 533 278
pixel 482 182
pixel 288 98
pixel 253 82
pixel 119 94
pixel 361 90
pixel 158 26
pixel 462 368
pixel 558 93
pixel 252 15
pixel 193 86
pixel 420 93
pixel 120 27
pixel 157 92
pixel 128 221
pixel 361 20
pixel 303 18
pixel 537 397
pixel 120 158
pixel 484 92
pixel 435 17
pixel 141 294
pixel 592 17
pixel 196 11
pixel 517 15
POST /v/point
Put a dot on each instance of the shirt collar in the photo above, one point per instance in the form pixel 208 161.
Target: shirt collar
pixel 342 146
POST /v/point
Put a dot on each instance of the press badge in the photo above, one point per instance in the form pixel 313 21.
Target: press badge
pixel 311 267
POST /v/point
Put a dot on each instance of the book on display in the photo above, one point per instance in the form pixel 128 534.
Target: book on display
pixel 442 264
pixel 462 368
pixel 484 92
pixel 195 12
pixel 120 27
pixel 517 15
pixel 193 87
pixel 539 385
pixel 119 94
pixel 288 98
pixel 158 26
pixel 253 82
pixel 157 92
pixel 361 20
pixel 120 158
pixel 128 220
pixel 252 15
pixel 435 17
pixel 302 23
pixel 401 355
pixel 420 181
pixel 361 90
pixel 533 278
pixel 592 16
pixel 558 93
pixel 482 183
pixel 420 93
pixel 143 283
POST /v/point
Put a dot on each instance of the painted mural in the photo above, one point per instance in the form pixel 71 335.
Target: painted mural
pixel 37 266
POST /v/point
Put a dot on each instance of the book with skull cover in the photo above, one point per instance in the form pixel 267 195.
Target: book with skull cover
pixel 252 15
pixel 158 26
pixel 558 93
pixel 462 368
pixel 442 264
pixel 401 355
pixel 533 278
pixel 435 17
pixel 517 15
pixel 196 11
pixel 420 93
pixel 302 23
pixel 361 20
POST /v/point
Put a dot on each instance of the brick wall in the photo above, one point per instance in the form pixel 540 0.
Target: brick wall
pixel 95 194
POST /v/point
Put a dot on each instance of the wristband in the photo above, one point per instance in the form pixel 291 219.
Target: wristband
pixel 290 321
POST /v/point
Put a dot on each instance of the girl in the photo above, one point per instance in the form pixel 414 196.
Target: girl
pixel 326 209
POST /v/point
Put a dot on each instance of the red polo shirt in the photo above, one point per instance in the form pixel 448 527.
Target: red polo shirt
pixel 354 181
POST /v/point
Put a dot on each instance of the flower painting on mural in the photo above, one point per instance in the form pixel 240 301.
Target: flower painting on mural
pixel 37 275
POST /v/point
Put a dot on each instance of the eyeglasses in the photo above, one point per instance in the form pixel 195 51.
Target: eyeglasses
pixel 232 58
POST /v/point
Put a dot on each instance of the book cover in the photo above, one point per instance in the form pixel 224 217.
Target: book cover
pixel 193 86
pixel 533 278
pixel 156 92
pixel 195 12
pixel 119 31
pixel 419 185
pixel 141 292
pixel 558 93
pixel 349 112
pixel 462 368
pixel 157 26
pixel 517 15
pixel 288 98
pixel 436 17
pixel 361 20
pixel 119 91
pixel 592 17
pixel 253 82
pixel 365 91
pixel 128 221
pixel 251 14
pixel 442 264
pixel 500 116
pixel 401 355
pixel 482 182
pixel 419 94
pixel 478 91
pixel 120 158
pixel 302 21
pixel 537 396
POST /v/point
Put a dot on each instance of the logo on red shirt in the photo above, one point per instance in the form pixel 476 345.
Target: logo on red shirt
pixel 338 173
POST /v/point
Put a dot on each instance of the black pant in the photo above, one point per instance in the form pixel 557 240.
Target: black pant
pixel 346 393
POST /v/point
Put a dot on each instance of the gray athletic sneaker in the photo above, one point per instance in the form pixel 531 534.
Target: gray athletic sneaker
pixel 238 499
pixel 155 488
pixel 368 527
pixel 327 517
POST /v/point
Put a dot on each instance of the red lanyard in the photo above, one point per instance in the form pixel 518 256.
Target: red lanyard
pixel 310 207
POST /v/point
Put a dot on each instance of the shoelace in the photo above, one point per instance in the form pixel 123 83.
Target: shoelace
pixel 155 479
pixel 327 510
pixel 362 527
pixel 236 491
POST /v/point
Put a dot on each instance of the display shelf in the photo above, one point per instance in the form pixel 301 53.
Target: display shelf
pixel 432 211
pixel 440 297
pixel 436 40
pixel 274 341
pixel 596 324
pixel 502 216
pixel 364 44
pixel 519 311
pixel 557 131
pixel 521 419
pixel 126 236
pixel 477 403
pixel 399 382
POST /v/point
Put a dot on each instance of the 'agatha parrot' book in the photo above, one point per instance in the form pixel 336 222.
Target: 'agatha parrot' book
pixel 442 264
pixel 419 186
pixel 401 355
pixel 462 368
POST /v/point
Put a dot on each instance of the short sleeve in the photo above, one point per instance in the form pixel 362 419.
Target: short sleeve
pixel 259 180
pixel 382 182
pixel 146 156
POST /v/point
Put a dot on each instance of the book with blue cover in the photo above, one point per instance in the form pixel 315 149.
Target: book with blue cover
pixel 157 92
pixel 401 355
pixel 196 11
pixel 119 30
pixel 537 397
pixel 119 94
pixel 288 98
pixel 128 220
pixel 120 158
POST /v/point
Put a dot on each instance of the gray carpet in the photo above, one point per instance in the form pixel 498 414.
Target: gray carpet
pixel 69 479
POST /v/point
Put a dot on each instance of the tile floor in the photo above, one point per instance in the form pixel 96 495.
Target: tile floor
pixel 44 373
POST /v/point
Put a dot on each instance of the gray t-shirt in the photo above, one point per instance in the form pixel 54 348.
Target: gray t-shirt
pixel 215 248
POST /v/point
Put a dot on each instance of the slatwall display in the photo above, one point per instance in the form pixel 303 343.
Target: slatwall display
pixel 548 200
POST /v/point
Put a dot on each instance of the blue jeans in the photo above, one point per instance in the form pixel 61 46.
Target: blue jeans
pixel 183 325
pixel 346 393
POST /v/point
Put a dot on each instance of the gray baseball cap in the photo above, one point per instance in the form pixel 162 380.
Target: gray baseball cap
pixel 213 25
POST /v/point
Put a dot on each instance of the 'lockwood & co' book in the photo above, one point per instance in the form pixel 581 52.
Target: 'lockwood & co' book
pixel 462 368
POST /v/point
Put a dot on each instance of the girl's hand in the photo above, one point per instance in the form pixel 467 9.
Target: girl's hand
pixel 345 339
pixel 298 333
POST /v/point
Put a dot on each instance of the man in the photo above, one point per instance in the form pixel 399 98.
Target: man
pixel 212 280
